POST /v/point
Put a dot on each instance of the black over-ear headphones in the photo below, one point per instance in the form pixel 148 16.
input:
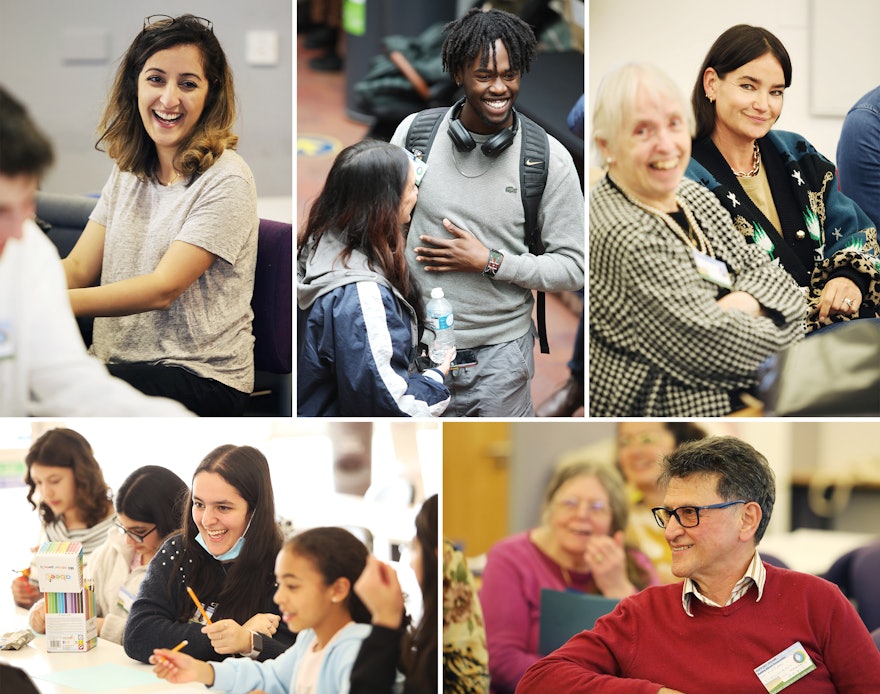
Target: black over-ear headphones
pixel 492 147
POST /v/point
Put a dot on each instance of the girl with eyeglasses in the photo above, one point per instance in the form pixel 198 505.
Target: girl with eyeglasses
pixel 148 508
pixel 579 546
pixel 166 262
pixel 72 498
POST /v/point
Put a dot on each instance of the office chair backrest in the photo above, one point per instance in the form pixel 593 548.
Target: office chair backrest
pixel 272 302
pixel 773 560
pixel 856 573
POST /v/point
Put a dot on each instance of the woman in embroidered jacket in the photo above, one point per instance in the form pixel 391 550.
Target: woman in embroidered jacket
pixel 781 193
pixel 682 310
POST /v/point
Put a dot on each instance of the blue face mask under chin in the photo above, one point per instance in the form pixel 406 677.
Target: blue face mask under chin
pixel 236 548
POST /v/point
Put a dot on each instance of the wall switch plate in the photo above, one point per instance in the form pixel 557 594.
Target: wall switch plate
pixel 261 47
pixel 85 45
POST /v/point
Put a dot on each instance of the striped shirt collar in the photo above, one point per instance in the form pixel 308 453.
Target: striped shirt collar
pixel 755 573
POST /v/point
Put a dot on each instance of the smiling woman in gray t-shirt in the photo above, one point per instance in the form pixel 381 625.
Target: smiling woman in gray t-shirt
pixel 172 242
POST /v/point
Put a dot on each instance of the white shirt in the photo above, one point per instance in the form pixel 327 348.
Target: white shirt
pixel 44 367
pixel 755 573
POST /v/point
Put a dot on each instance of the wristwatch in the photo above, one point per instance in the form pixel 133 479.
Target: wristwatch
pixel 495 259
pixel 256 645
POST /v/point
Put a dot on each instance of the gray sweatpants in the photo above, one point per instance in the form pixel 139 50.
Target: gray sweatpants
pixel 499 385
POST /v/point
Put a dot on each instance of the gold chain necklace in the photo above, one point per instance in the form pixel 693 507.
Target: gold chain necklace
pixel 173 179
pixel 756 164
pixel 696 239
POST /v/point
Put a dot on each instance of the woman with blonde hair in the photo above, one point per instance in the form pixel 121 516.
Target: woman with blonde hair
pixel 578 546
pixel 682 310
pixel 172 242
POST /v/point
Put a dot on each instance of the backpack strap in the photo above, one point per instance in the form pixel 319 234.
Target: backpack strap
pixel 422 131
pixel 533 169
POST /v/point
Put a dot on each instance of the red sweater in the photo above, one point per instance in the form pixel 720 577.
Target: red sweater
pixel 648 642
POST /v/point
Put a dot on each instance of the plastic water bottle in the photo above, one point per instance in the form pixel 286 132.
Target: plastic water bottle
pixel 441 320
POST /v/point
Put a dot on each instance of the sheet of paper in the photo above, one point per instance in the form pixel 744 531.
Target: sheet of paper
pixel 100 678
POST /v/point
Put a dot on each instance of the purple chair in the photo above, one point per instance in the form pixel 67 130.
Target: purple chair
pixel 272 304
pixel 856 574
pixel 63 218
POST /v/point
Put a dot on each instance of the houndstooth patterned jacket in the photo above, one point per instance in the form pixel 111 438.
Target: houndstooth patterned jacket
pixel 659 344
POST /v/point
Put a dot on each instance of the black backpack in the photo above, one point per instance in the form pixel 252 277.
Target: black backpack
pixel 533 166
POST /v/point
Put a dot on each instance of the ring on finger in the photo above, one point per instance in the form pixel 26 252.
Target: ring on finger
pixel 848 302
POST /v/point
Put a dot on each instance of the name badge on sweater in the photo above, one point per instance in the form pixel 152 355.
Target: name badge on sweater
pixel 713 269
pixel 785 668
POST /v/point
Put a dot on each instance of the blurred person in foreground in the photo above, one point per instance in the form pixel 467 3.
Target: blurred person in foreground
pixel 735 624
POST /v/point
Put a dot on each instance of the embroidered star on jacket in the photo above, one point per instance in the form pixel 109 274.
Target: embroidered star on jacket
pixel 797 176
pixel 837 234
pixel 732 197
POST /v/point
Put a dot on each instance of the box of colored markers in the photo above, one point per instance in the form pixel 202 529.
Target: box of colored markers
pixel 71 623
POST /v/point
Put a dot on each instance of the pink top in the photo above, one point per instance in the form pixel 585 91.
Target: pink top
pixel 516 571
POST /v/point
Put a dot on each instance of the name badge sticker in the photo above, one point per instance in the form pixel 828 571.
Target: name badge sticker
pixel 420 167
pixel 713 269
pixel 785 669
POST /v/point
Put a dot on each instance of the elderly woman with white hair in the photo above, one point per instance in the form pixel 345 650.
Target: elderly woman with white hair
pixel 682 310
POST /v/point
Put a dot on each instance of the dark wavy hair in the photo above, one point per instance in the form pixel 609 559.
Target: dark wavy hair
pixel 69 449
pixel 122 130
pixel 419 652
pixel 250 580
pixel 475 34
pixel 153 494
pixel 743 472
pixel 360 202
pixel 336 553
pixel 737 46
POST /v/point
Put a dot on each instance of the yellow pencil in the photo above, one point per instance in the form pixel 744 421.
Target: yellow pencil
pixel 198 604
pixel 180 645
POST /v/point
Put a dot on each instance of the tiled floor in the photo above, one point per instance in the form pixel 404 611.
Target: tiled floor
pixel 321 115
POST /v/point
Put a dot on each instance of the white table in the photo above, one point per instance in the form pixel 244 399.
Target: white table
pixel 104 670
pixel 813 551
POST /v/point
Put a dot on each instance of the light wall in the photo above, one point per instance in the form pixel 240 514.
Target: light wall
pixel 65 96
pixel 676 36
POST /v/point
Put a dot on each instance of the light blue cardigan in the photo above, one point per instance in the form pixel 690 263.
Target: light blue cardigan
pixel 278 676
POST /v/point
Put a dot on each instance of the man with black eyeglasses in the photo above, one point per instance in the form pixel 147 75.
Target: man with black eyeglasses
pixel 735 624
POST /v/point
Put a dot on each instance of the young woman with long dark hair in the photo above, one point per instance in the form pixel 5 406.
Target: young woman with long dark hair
pixel 359 305
pixel 226 555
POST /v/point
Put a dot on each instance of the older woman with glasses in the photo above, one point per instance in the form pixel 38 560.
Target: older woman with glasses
pixel 148 508
pixel 166 262
pixel 579 546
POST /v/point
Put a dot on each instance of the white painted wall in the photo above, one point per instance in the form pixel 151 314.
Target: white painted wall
pixel 676 36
